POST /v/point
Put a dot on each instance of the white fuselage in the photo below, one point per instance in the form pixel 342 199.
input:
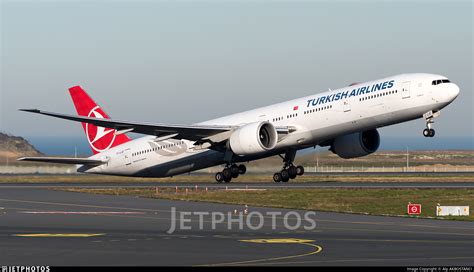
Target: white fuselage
pixel 317 119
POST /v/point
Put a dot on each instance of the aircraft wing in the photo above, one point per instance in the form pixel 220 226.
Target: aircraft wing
pixel 63 160
pixel 190 132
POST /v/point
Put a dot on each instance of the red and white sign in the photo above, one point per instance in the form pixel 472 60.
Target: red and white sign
pixel 414 208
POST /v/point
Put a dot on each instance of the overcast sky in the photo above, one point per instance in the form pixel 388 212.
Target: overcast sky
pixel 185 62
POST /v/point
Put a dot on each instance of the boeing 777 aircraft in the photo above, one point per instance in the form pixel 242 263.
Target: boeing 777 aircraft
pixel 345 119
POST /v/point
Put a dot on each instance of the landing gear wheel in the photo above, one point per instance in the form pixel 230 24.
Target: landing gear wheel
pixel 234 170
pixel 299 170
pixel 228 179
pixel 242 169
pixel 292 172
pixel 285 176
pixel 277 177
pixel 429 132
pixel 227 174
pixel 426 132
pixel 219 177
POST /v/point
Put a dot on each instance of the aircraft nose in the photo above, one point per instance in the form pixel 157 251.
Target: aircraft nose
pixel 453 91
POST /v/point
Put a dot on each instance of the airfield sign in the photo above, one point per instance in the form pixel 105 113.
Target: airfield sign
pixel 414 208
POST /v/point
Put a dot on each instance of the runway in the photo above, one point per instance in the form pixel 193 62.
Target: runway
pixel 263 185
pixel 47 227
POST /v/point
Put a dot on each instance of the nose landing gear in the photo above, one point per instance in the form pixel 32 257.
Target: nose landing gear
pixel 429 117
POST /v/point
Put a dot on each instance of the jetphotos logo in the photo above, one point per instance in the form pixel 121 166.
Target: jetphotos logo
pixel 22 268
pixel 242 220
pixel 100 138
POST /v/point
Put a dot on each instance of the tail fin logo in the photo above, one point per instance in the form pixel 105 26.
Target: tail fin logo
pixel 99 138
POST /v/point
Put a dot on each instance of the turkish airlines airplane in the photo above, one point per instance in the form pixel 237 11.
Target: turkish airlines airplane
pixel 345 119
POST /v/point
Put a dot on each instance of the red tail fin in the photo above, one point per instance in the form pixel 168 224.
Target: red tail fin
pixel 99 138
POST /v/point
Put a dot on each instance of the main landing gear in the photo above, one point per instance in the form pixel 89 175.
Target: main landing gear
pixel 289 171
pixel 429 117
pixel 230 171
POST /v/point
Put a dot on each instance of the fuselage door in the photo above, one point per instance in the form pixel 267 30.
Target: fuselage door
pixel 406 89
pixel 127 157
pixel 346 106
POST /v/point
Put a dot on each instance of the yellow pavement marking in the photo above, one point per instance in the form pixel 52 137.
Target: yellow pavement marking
pixel 279 241
pixel 368 260
pixel 316 250
pixel 60 234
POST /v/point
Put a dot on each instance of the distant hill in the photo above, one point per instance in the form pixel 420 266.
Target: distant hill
pixel 12 147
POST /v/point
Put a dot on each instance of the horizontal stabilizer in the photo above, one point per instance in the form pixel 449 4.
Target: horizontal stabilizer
pixel 63 160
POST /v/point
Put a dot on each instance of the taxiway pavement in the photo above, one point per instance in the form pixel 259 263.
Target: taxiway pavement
pixel 48 227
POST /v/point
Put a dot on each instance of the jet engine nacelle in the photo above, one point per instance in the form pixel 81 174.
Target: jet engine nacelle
pixel 253 138
pixel 356 144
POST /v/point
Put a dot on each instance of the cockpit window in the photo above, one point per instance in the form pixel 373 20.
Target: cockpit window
pixel 439 81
